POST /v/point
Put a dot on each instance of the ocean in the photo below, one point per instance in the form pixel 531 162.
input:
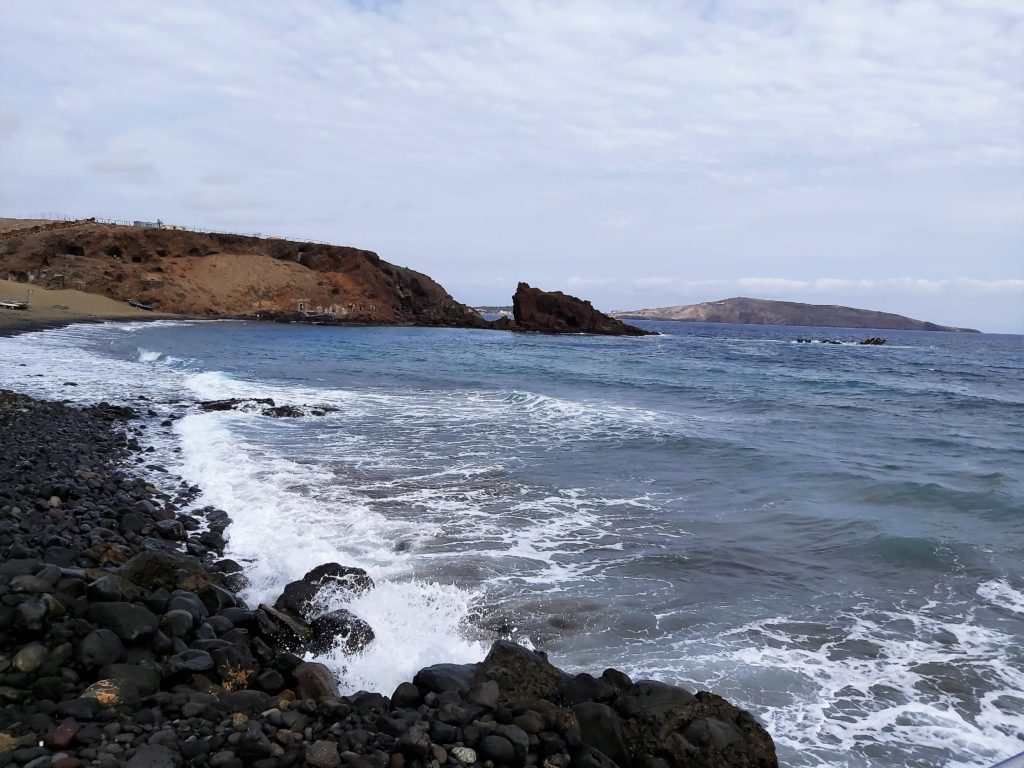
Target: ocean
pixel 828 535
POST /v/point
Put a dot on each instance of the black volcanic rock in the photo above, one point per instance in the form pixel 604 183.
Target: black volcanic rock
pixel 557 312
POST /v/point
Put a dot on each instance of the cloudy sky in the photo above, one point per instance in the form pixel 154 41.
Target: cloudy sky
pixel 637 152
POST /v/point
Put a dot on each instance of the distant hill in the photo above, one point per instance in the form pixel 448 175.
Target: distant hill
pixel 767 312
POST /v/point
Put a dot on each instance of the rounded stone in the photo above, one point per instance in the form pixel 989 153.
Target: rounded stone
pixel 30 658
pixel 323 754
pixel 100 648
pixel 464 755
pixel 497 748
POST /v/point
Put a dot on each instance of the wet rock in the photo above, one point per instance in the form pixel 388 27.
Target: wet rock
pixel 484 694
pixel 112 693
pixel 100 648
pixel 601 729
pixel 651 699
pixel 235 403
pixel 523 676
pixel 143 679
pixel 110 588
pixel 406 696
pixel 439 678
pixel 188 662
pixel 315 681
pixel 340 627
pixel 154 756
pixel 299 597
pixel 283 412
pixel 128 621
pixel 584 687
pixel 499 749
pixel 30 658
pixel 170 570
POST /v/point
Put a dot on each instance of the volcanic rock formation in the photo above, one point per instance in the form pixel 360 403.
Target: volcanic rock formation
pixel 556 312
pixel 228 275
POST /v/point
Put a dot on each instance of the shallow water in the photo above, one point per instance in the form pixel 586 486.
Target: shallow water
pixel 828 535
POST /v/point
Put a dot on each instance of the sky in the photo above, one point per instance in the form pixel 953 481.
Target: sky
pixel 638 153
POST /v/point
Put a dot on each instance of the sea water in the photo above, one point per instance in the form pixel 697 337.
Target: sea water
pixel 828 535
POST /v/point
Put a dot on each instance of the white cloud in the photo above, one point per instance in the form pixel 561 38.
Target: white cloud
pixel 702 142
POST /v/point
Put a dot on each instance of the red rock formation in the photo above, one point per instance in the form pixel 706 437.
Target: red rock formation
pixel 229 275
pixel 556 312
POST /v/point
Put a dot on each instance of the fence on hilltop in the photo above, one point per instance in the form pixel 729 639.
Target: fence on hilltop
pixel 60 217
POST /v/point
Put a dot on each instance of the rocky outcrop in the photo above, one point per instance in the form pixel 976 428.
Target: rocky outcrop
pixel 213 274
pixel 266 406
pixel 766 312
pixel 557 312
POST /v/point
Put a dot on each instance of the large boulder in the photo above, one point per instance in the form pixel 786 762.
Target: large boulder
pixel 170 570
pixel 299 597
pixel 557 312
pixel 315 681
pixel 601 729
pixel 523 676
pixel 671 723
pixel 336 628
pixel 440 678
pixel 130 622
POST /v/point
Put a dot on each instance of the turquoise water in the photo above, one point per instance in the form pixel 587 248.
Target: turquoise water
pixel 830 535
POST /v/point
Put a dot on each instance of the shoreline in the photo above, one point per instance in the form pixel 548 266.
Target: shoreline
pixel 123 641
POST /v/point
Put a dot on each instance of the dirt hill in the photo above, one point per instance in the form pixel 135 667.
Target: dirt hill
pixel 225 275
pixel 766 312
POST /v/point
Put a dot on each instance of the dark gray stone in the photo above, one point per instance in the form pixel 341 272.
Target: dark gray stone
pixel 601 729
pixel 128 621
pixel 444 677
pixel 100 648
pixel 406 696
pixel 648 698
pixel 497 748
pixel 154 756
pixel 145 680
pixel 188 662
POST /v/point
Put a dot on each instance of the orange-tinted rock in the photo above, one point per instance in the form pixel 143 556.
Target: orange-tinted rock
pixel 557 312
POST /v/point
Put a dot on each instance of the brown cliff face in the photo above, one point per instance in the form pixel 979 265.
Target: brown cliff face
pixel 556 312
pixel 228 275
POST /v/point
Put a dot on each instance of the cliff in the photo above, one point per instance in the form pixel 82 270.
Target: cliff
pixel 556 312
pixel 227 275
pixel 766 312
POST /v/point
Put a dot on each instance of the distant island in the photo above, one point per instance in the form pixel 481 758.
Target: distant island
pixel 767 312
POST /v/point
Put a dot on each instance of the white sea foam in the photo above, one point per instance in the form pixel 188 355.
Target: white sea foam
pixel 1000 594
pixel 416 624
pixel 865 685
pixel 288 518
pixel 149 356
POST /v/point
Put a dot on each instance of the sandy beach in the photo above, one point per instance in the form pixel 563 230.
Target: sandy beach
pixel 50 309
